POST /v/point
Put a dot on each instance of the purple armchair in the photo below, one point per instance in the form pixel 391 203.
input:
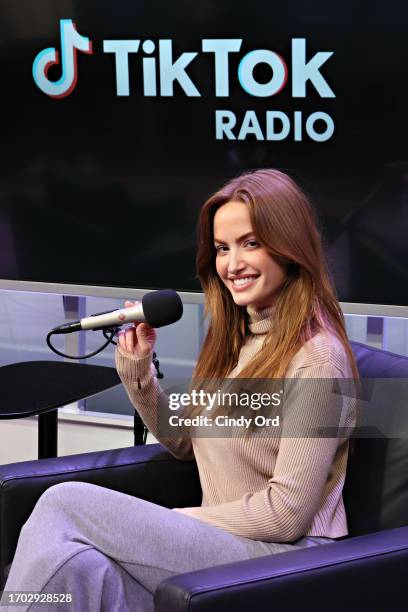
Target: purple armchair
pixel 365 571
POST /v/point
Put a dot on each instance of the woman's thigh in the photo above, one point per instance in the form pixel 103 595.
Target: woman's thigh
pixel 150 542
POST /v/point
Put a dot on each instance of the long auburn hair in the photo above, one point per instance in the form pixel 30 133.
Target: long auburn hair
pixel 284 223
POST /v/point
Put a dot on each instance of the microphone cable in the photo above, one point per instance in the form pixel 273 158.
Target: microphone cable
pixel 109 340
pixel 113 331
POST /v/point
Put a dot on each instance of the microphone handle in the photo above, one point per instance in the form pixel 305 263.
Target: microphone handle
pixel 102 320
pixel 114 318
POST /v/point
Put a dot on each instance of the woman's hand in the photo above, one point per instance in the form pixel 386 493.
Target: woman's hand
pixel 137 340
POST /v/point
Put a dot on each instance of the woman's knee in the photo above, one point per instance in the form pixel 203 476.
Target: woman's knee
pixel 59 493
pixel 62 498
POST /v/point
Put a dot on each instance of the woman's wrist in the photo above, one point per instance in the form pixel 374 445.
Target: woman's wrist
pixel 132 368
pixel 134 356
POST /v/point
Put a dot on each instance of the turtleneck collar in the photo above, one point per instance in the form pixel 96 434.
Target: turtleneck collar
pixel 260 321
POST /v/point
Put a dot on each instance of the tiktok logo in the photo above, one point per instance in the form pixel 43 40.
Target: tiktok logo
pixel 71 42
pixel 159 68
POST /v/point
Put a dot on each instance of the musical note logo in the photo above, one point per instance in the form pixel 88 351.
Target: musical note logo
pixel 71 42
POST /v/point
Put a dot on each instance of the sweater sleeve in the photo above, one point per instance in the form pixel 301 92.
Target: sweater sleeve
pixel 283 511
pixel 150 401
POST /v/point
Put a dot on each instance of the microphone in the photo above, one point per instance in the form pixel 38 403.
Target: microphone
pixel 158 308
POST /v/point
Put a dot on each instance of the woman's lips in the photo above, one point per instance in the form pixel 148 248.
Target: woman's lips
pixel 242 286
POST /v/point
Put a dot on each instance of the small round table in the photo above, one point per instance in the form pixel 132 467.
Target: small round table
pixel 40 387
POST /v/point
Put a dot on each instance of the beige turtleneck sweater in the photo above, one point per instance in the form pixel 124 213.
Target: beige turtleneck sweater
pixel 274 489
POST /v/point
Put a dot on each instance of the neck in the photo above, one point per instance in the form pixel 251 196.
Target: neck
pixel 260 319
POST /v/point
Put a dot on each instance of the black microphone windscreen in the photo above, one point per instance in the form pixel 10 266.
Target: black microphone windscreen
pixel 162 307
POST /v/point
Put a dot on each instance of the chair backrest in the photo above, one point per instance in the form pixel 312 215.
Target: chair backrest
pixel 376 487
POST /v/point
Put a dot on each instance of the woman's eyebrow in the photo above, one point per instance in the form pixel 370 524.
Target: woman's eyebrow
pixel 238 239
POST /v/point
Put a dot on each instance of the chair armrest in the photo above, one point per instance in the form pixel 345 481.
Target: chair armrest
pixel 368 571
pixel 147 471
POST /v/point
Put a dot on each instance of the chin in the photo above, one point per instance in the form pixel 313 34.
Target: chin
pixel 242 300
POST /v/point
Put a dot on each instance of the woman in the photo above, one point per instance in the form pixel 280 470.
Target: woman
pixel 273 314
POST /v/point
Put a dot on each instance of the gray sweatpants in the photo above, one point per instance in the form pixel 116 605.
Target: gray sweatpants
pixel 111 550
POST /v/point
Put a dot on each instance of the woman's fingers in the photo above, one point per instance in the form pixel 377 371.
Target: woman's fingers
pixel 129 304
pixel 120 337
pixel 146 337
pixel 119 340
pixel 126 339
pixel 139 339
pixel 130 339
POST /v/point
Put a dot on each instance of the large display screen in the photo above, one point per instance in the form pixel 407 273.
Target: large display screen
pixel 119 119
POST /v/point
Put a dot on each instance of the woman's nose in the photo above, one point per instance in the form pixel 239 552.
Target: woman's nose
pixel 235 263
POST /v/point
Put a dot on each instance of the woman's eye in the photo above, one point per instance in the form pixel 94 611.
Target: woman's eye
pixel 220 248
pixel 252 243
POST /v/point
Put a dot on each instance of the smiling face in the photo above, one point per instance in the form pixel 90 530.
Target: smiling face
pixel 245 267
